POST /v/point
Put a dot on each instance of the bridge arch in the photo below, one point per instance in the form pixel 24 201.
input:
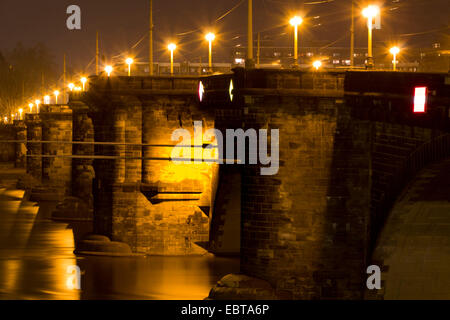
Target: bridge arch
pixel 413 244
pixel 434 150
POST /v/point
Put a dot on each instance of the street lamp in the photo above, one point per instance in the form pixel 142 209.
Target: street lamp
pixel 37 102
pixel 370 12
pixel 56 93
pixel 210 38
pixel 47 100
pixel 317 64
pixel 295 22
pixel 129 62
pixel 31 107
pixel 108 70
pixel 395 51
pixel 20 113
pixel 171 48
pixel 71 86
pixel 83 81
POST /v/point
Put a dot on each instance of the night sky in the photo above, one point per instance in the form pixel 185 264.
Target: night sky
pixel 123 23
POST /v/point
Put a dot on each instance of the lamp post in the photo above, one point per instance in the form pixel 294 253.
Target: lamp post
pixel 47 100
pixel 295 22
pixel 20 113
pixel 83 82
pixel 71 86
pixel 56 93
pixel 210 38
pixel 394 51
pixel 370 12
pixel 108 70
pixel 30 105
pixel 171 48
pixel 129 62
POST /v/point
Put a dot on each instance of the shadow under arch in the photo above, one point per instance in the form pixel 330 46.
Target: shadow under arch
pixel 413 247
pixel 436 149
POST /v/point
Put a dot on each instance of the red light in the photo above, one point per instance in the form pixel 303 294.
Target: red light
pixel 420 99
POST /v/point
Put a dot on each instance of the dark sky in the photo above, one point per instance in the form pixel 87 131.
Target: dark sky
pixel 123 23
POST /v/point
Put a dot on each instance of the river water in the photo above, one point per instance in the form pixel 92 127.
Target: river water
pixel 35 254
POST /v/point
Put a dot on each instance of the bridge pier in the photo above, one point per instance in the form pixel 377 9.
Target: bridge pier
pixel 34 133
pixel 21 150
pixel 57 163
pixel 140 196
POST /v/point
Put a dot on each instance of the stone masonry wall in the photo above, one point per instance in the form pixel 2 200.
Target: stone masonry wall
pixel 304 229
pixel 141 197
pixel 57 129
pixel 8 151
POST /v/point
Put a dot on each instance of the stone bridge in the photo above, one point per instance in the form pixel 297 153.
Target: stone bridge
pixel 349 145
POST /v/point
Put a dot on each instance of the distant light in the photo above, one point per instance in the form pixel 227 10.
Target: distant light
pixel 47 100
pixel 420 99
pixel 201 91
pixel 77 89
pixel 210 36
pixel 71 86
pixel 83 81
pixel 231 91
pixel 6 119
pixel 296 21
pixel 129 61
pixel 20 113
pixel 317 64
pixel 394 50
pixel 172 46
pixel 37 102
pixel 108 70
pixel 239 61
pixel 56 93
pixel 31 107
pixel 371 11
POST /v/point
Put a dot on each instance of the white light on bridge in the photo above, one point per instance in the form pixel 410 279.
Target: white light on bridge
pixel 231 90
pixel 201 91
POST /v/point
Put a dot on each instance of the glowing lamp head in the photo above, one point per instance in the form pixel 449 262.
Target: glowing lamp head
pixel 37 102
pixel 56 93
pixel 129 61
pixel 108 70
pixel 172 47
pixel 47 100
pixel 317 64
pixel 296 21
pixel 71 86
pixel 31 106
pixel 371 11
pixel 20 112
pixel 394 50
pixel 83 80
pixel 210 37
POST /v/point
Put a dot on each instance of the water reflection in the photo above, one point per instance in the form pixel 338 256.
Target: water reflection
pixel 35 253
